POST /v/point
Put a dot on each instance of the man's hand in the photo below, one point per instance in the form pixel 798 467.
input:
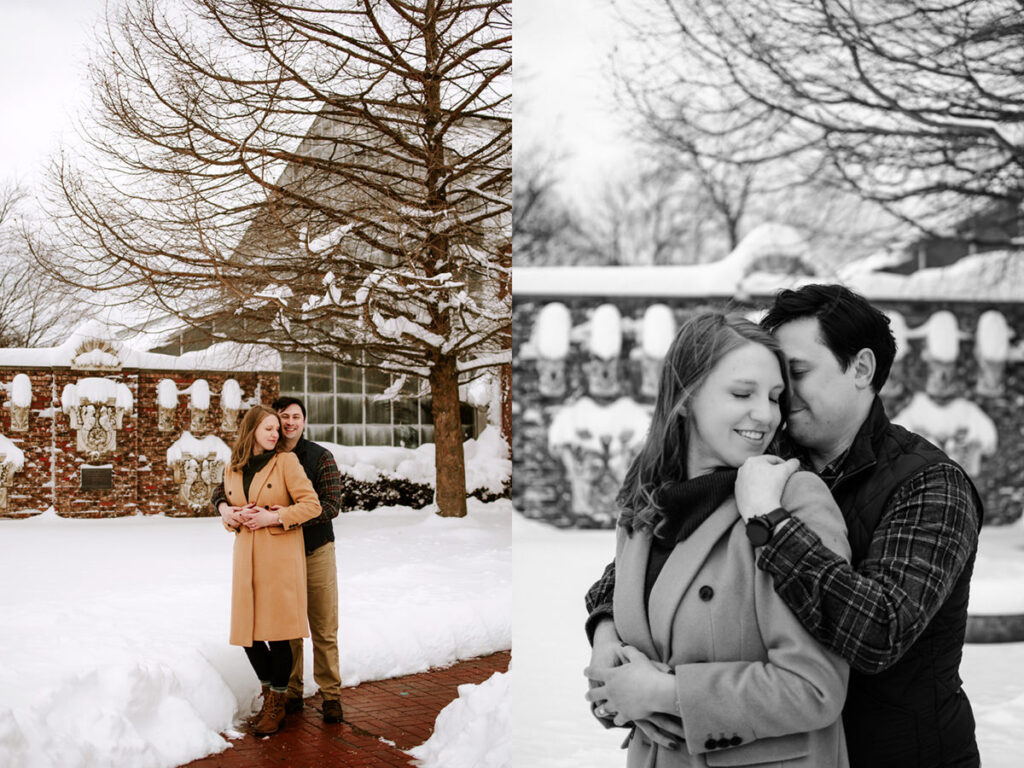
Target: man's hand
pixel 261 517
pixel 664 730
pixel 759 484
pixel 633 690
pixel 233 517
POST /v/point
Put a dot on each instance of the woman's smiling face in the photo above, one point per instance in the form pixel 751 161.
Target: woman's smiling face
pixel 736 411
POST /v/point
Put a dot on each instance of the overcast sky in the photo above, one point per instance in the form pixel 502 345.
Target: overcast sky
pixel 563 97
pixel 43 53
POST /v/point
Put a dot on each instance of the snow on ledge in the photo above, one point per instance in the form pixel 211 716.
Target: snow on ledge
pixel 14 455
pixel 187 444
pixel 223 356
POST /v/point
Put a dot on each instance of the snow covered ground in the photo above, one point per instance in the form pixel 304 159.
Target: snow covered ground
pixel 114 632
pixel 551 722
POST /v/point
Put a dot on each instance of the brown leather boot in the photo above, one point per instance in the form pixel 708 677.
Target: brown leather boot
pixel 272 715
pixel 251 720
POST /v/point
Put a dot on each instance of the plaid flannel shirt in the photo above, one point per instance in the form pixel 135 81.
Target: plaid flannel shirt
pixel 872 612
pixel 327 485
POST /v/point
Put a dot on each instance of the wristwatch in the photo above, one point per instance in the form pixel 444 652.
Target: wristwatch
pixel 761 528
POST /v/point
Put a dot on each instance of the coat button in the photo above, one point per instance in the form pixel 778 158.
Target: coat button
pixel 736 740
pixel 706 593
pixel 710 743
pixel 270 485
pixel 723 743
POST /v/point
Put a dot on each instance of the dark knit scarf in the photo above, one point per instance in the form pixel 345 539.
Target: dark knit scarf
pixel 685 505
pixel 252 467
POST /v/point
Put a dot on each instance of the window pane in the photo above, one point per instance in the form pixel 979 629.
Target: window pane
pixel 293 379
pixel 376 381
pixel 320 377
pixel 378 412
pixel 350 380
pixel 406 411
pixel 350 434
pixel 378 435
pixel 412 386
pixel 319 409
pixel 350 409
pixel 319 433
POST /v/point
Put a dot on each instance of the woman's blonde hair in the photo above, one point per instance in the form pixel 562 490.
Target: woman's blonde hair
pixel 246 442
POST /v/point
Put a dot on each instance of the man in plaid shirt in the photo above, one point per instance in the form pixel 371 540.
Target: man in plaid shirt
pixel 898 611
pixel 321 566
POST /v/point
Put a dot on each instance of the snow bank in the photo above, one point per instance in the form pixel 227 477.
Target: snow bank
pixel 114 632
pixel 473 731
pixel 990 276
pixel 488 464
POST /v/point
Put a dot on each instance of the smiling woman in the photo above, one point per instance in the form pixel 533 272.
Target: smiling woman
pixel 699 638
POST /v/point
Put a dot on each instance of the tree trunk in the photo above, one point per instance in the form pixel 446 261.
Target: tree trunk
pixel 449 458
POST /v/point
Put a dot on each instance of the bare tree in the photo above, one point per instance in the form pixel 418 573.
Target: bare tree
pixel 34 309
pixel 331 178
pixel 546 229
pixel 917 105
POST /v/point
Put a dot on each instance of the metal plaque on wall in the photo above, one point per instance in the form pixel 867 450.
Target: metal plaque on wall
pixel 97 478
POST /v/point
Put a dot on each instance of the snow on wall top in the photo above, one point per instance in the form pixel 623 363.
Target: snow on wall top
pixel 996 276
pixel 13 453
pixel 224 356
pixel 739 272
pixel 187 444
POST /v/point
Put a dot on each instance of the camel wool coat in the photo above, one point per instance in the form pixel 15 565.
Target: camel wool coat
pixel 752 686
pixel 268 580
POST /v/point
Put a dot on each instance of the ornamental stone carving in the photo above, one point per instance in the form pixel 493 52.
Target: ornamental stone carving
pixel 197 476
pixel 96 409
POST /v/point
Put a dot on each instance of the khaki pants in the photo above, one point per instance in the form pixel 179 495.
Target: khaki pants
pixel 322 607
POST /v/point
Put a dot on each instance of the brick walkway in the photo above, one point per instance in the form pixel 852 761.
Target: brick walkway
pixel 401 710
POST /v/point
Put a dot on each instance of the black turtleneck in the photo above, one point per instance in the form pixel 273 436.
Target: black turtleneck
pixel 685 505
pixel 252 467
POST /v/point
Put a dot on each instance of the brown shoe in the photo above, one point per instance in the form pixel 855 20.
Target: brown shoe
pixel 293 705
pixel 251 720
pixel 272 715
pixel 331 711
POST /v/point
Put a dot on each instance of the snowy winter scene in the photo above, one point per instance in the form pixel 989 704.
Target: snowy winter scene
pixel 674 156
pixel 115 631
pixel 205 206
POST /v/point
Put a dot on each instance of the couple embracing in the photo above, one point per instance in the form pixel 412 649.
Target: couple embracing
pixel 791 573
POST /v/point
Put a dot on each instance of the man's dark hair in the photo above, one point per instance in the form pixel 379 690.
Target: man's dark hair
pixel 283 402
pixel 848 322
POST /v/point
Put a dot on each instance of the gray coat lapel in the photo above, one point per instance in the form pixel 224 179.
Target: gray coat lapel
pixel 679 572
pixel 628 599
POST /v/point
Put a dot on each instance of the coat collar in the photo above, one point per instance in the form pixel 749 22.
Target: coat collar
pixel 653 634
pixel 260 479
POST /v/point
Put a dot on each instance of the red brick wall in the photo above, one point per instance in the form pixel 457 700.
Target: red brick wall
pixel 32 490
pixel 142 480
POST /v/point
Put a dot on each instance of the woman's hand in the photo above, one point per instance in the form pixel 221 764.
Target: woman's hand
pixel 261 517
pixel 759 484
pixel 233 517
pixel 633 690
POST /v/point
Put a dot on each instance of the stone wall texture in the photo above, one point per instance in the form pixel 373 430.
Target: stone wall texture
pixel 541 487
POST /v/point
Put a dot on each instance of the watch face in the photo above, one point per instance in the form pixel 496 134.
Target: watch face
pixel 758 531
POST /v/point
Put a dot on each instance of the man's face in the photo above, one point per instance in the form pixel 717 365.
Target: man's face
pixel 292 422
pixel 824 413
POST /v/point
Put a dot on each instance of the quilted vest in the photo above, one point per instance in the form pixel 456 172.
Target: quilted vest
pixel 314 535
pixel 914 713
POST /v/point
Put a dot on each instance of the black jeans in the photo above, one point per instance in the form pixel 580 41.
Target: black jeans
pixel 272 660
